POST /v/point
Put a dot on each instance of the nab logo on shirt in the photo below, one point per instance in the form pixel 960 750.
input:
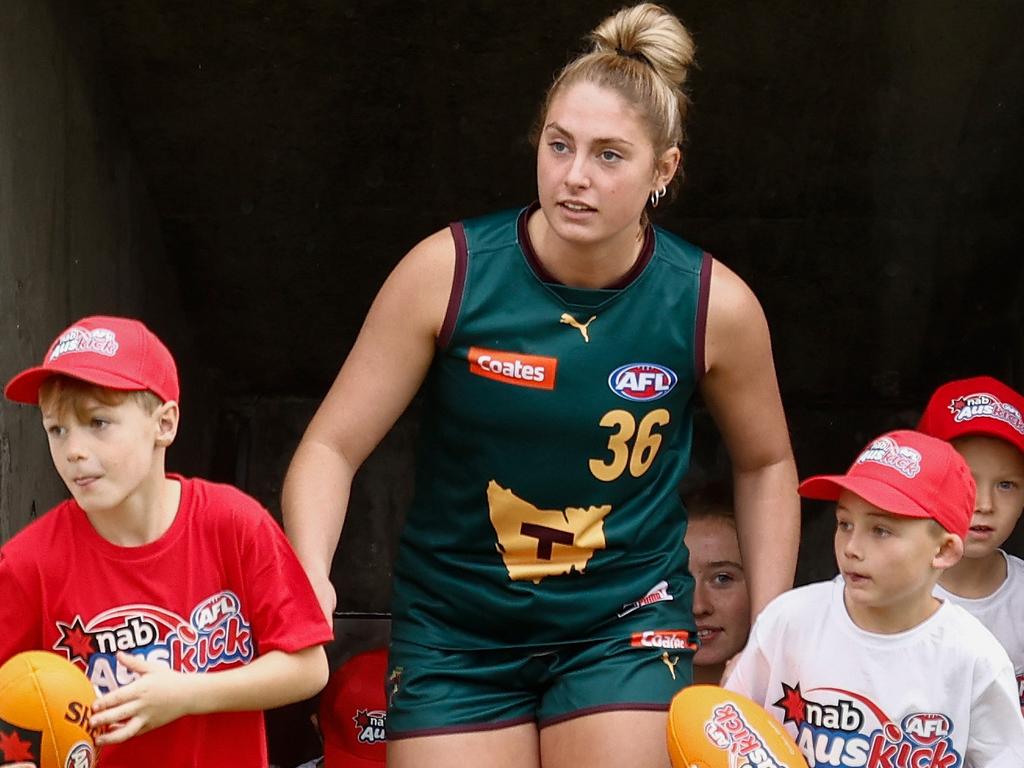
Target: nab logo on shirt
pixel 534 371
pixel 642 382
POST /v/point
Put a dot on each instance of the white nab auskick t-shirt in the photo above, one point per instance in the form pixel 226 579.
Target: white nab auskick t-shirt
pixel 1002 612
pixel 940 695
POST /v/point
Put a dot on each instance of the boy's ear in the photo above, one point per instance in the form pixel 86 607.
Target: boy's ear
pixel 167 423
pixel 951 550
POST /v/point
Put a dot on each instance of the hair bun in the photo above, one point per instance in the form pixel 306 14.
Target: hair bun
pixel 651 34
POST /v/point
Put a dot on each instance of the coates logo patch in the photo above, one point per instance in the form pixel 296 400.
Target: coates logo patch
pixel 99 341
pixel 672 639
pixel 982 405
pixel 656 594
pixel 889 453
pixel 534 371
pixel 370 725
pixel 642 382
pixel 730 732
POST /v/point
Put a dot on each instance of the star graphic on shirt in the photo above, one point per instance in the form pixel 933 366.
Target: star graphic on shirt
pixel 792 702
pixel 13 748
pixel 74 640
pixel 361 719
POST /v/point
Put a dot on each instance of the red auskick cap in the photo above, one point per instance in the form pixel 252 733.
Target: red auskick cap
pixel 113 352
pixel 906 473
pixel 978 406
pixel 353 712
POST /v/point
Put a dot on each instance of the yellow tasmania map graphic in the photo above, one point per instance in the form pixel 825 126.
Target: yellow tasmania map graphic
pixel 536 543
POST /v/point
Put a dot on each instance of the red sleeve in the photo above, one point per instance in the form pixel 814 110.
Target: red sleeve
pixel 21 607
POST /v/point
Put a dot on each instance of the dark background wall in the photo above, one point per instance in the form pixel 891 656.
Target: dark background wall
pixel 856 162
pixel 243 175
pixel 78 235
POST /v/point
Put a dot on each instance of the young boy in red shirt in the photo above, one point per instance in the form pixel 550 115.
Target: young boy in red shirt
pixel 180 599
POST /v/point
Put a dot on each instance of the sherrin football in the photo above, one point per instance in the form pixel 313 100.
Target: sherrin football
pixel 710 727
pixel 45 705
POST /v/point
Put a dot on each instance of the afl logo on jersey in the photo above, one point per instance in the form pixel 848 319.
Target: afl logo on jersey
pixel 642 381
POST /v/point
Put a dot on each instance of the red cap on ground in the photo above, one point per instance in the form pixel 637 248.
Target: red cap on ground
pixel 978 406
pixel 906 473
pixel 112 352
pixel 353 712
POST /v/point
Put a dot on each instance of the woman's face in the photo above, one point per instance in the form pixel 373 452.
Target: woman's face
pixel 596 165
pixel 721 603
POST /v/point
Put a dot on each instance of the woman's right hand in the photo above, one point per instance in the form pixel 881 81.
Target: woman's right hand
pixel 326 595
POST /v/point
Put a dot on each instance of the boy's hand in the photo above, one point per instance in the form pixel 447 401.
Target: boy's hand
pixel 157 696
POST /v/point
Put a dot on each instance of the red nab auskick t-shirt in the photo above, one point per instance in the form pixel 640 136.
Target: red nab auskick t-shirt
pixel 219 588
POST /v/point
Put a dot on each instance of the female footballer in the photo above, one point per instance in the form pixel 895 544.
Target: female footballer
pixel 542 608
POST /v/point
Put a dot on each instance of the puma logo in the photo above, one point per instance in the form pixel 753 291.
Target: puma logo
pixel 581 327
pixel 670 662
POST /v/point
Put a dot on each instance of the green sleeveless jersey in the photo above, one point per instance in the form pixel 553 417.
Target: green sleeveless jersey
pixel 556 428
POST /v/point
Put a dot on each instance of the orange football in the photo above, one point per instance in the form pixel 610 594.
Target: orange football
pixel 45 705
pixel 710 727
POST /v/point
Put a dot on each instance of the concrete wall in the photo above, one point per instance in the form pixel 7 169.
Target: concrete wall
pixel 78 235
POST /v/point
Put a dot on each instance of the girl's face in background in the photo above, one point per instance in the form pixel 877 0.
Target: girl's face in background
pixel 721 603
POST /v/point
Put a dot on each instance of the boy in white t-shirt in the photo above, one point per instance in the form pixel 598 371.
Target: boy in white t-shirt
pixel 871 669
pixel 982 418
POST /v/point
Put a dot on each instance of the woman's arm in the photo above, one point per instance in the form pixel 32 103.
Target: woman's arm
pixel 742 394
pixel 159 695
pixel 382 373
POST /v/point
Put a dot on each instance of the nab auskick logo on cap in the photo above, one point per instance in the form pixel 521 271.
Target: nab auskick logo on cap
pixel 983 405
pixel 889 453
pixel 100 341
pixel 642 382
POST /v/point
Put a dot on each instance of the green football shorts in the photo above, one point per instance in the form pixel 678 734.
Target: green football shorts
pixel 432 691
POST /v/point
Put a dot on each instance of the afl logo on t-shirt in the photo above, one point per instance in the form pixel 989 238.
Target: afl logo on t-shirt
pixel 642 381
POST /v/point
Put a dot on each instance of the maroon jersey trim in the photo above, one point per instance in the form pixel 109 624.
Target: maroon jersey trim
pixel 700 332
pixel 451 314
pixel 646 251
